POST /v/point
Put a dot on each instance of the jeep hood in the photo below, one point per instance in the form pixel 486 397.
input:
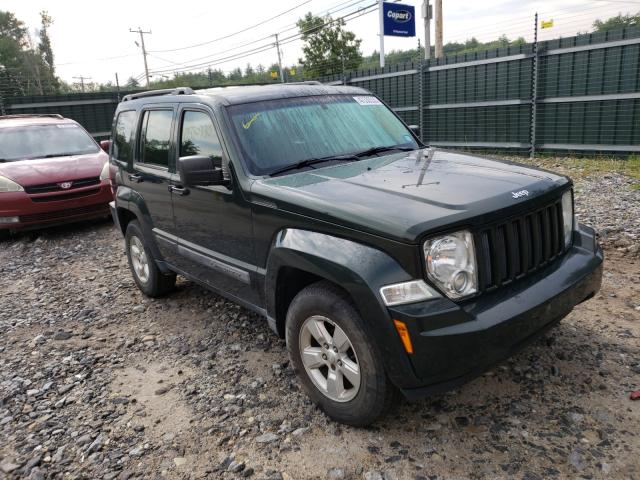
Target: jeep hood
pixel 401 196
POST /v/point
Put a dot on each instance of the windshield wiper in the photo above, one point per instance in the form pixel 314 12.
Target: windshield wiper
pixel 312 161
pixel 351 157
pixel 52 155
pixel 388 148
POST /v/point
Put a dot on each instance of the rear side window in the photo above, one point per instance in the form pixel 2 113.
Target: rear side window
pixel 156 137
pixel 122 145
pixel 199 137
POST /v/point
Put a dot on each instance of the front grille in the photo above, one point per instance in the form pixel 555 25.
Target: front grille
pixel 54 187
pixel 519 246
pixel 66 196
pixel 60 214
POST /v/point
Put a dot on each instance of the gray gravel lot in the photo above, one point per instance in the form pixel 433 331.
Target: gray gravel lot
pixel 97 381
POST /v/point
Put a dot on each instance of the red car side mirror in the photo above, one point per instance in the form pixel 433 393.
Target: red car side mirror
pixel 105 145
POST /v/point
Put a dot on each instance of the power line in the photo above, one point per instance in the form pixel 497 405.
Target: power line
pixel 234 33
pixel 263 48
pixel 288 27
pixel 96 60
pixel 266 37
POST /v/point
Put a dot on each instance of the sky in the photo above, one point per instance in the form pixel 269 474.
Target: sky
pixel 93 40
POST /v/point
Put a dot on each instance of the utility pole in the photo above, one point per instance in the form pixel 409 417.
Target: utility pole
pixel 426 15
pixel 279 59
pixel 117 87
pixel 82 79
pixel 439 52
pixel 381 20
pixel 144 51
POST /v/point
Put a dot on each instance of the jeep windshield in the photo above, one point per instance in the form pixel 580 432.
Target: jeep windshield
pixel 304 132
pixel 44 141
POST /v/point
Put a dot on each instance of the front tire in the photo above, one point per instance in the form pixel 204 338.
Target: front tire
pixel 339 366
pixel 150 280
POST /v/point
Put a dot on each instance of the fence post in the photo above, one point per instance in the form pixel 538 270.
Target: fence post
pixel 421 99
pixel 2 112
pixel 534 91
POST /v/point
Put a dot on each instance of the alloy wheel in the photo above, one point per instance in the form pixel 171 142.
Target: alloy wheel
pixel 329 358
pixel 139 259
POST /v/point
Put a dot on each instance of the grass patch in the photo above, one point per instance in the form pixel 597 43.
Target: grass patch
pixel 600 166
pixel 589 166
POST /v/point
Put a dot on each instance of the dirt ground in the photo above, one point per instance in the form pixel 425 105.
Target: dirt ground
pixel 97 381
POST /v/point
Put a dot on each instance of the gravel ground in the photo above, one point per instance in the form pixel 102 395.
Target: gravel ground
pixel 98 382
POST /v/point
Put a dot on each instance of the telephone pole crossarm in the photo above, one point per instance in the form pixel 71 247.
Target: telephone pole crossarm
pixel 82 78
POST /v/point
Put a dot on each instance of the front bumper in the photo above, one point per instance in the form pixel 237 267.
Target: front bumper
pixel 45 210
pixel 454 343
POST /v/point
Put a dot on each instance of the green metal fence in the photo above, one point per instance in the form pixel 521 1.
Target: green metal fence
pixel 583 92
pixel 94 111
pixel 572 94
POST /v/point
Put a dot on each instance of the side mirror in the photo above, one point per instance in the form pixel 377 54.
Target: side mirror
pixel 105 145
pixel 199 170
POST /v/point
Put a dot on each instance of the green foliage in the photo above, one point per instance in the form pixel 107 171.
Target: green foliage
pixel 45 42
pixel 46 52
pixel 471 45
pixel 132 83
pixel 217 78
pixel 328 47
pixel 25 69
pixel 618 22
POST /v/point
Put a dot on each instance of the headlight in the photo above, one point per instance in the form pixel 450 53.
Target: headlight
pixel 7 185
pixel 104 174
pixel 451 263
pixel 567 216
pixel 407 292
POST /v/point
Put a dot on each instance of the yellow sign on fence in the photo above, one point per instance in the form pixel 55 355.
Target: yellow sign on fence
pixel 546 23
pixel 274 74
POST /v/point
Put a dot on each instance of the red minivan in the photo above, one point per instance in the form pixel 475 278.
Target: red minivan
pixel 51 172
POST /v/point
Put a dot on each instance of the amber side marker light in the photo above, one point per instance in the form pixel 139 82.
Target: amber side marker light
pixel 403 331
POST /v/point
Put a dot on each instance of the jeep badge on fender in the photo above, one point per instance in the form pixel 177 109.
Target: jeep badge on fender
pixel 390 268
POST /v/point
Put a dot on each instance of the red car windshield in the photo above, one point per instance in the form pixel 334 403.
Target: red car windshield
pixel 43 141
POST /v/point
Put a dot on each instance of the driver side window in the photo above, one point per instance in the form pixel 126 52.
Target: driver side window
pixel 199 137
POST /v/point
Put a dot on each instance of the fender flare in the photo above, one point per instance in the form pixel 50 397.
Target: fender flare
pixel 359 269
pixel 131 201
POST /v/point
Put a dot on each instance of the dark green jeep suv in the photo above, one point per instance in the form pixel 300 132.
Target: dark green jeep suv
pixel 389 267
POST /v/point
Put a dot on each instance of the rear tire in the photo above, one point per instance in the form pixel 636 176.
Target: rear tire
pixel 150 280
pixel 342 370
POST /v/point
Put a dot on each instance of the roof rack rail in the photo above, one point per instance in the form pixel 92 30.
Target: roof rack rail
pixel 155 93
pixel 306 82
pixel 27 115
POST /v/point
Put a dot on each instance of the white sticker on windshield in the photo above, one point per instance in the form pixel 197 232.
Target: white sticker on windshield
pixel 66 125
pixel 367 100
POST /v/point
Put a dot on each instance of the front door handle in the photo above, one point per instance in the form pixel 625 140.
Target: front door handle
pixel 178 190
pixel 134 177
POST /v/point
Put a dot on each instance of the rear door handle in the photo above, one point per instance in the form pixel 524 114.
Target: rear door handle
pixel 134 177
pixel 178 190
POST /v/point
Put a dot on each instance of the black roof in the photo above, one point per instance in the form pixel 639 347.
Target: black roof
pixel 257 93
pixel 247 93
